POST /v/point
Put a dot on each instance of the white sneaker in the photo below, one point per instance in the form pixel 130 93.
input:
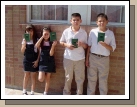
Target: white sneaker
pixel 32 94
pixel 25 93
pixel 45 94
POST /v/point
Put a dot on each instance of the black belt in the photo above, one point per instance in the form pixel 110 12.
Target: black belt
pixel 98 55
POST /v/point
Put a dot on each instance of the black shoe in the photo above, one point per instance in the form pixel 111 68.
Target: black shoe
pixel 25 93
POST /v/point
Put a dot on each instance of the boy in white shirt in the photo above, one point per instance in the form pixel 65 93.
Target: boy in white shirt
pixel 97 58
pixel 74 58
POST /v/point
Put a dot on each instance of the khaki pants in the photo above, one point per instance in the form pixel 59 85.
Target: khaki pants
pixel 78 68
pixel 99 69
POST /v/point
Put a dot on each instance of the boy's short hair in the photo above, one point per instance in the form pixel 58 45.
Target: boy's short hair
pixel 76 15
pixel 102 15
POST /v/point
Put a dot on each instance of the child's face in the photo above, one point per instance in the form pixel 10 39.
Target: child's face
pixel 75 21
pixel 102 22
pixel 46 34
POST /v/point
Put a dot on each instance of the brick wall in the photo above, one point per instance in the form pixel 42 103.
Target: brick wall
pixel 15 20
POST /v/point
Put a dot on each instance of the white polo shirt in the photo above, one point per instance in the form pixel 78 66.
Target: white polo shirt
pixel 77 53
pixel 97 48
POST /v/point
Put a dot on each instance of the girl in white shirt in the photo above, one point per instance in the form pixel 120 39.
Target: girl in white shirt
pixel 31 58
pixel 47 61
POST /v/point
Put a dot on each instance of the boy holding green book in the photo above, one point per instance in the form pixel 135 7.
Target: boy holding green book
pixel 74 39
pixel 100 42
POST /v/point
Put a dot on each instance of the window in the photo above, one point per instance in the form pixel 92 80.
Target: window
pixel 116 14
pixel 61 14
pixel 48 13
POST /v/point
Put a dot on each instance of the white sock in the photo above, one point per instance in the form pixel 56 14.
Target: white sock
pixel 45 92
pixel 24 90
pixel 32 92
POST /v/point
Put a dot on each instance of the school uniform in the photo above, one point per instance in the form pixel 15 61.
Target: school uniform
pixel 99 61
pixel 47 62
pixel 30 55
pixel 74 60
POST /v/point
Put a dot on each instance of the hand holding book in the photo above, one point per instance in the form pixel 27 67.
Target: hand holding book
pixel 101 36
pixel 102 43
pixel 74 43
pixel 53 36
pixel 54 43
pixel 27 37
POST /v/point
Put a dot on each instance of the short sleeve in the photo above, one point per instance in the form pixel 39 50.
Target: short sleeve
pixel 86 38
pixel 22 41
pixel 113 43
pixel 62 39
pixel 90 39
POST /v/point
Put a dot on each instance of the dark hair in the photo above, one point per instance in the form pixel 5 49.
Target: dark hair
pixel 31 27
pixel 102 15
pixel 76 15
pixel 48 29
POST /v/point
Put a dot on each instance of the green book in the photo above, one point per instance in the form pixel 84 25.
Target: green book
pixel 53 36
pixel 101 36
pixel 74 42
pixel 27 37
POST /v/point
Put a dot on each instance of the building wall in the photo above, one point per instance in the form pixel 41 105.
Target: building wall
pixel 15 23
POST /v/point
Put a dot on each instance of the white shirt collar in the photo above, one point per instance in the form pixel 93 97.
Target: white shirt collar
pixel 105 31
pixel 80 30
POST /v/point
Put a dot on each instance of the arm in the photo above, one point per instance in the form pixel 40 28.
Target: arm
pixel 106 45
pixel 89 41
pixel 84 45
pixel 63 44
pixel 36 62
pixel 112 45
pixel 63 41
pixel 23 47
pixel 53 48
pixel 37 45
pixel 67 45
pixel 38 54
pixel 87 56
pixel 84 42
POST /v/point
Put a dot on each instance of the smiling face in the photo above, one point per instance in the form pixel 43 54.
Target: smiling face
pixel 75 21
pixel 102 22
pixel 46 34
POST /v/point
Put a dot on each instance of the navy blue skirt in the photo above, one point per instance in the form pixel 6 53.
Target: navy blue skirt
pixel 47 62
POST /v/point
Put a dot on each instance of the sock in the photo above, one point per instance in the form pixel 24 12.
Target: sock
pixel 24 90
pixel 32 92
pixel 45 92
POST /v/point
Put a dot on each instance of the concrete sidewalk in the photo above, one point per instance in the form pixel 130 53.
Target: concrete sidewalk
pixel 10 91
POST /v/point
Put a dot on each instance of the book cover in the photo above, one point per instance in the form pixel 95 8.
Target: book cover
pixel 52 36
pixel 101 36
pixel 74 42
pixel 27 37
